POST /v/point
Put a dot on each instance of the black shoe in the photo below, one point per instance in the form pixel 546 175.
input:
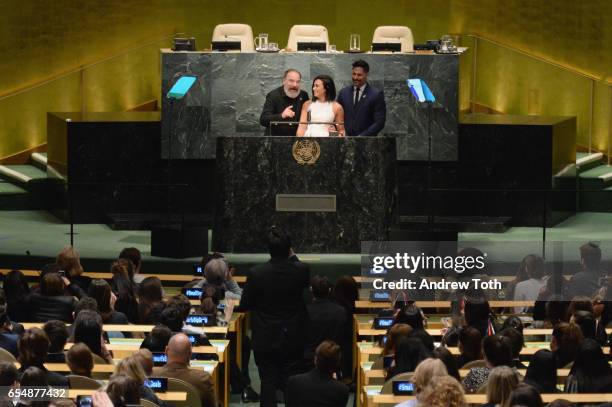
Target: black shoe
pixel 249 395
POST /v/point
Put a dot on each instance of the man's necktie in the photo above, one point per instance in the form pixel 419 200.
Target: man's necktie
pixel 356 96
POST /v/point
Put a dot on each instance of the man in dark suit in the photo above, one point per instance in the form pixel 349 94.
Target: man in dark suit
pixel 274 296
pixel 318 388
pixel 364 106
pixel 284 104
pixel 327 318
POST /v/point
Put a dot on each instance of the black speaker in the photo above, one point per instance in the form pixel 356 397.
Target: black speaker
pixel 179 242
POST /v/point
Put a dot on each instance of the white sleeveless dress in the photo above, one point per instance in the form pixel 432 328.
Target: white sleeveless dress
pixel 320 112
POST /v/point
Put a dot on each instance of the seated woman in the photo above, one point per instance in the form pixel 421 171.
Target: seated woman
pixel 322 111
pixel 51 302
pixel 497 351
pixel 70 261
pixel 591 372
pixel 529 289
pixel 542 372
pixel 409 352
pixel 132 368
pixel 565 341
pixel 502 381
pixel 425 374
pixel 33 348
pixel 88 330
pixel 101 291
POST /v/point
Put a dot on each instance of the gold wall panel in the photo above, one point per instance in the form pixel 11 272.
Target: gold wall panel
pixel 516 84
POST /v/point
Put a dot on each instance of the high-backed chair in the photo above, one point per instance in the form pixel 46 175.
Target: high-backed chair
pixel 147 403
pixel 307 33
pixel 193 397
pixel 6 356
pixel 395 34
pixel 388 386
pixel 83 382
pixel 235 32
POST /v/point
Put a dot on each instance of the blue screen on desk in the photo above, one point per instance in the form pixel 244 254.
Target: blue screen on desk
pixel 197 320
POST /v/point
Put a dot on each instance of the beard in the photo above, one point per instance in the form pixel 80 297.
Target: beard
pixel 292 93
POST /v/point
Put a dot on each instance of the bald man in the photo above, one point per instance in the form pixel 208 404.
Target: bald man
pixel 179 355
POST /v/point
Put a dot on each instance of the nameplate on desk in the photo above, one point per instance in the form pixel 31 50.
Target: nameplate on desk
pixel 305 203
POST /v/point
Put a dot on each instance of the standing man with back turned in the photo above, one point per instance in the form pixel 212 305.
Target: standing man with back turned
pixel 364 106
pixel 273 295
pixel 284 104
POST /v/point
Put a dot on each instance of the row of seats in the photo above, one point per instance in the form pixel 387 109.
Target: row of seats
pixel 311 33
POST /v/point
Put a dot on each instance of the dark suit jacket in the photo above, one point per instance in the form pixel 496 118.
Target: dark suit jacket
pixel 368 117
pixel 276 102
pixel 315 389
pixel 274 296
pixel 327 320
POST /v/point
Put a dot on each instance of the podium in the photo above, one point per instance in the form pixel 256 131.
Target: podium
pixel 329 193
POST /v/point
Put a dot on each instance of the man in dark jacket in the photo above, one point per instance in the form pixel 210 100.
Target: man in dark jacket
pixel 318 388
pixel 274 296
pixel 586 281
pixel 326 318
pixel 284 104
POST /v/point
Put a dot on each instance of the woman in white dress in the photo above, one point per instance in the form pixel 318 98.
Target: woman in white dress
pixel 322 110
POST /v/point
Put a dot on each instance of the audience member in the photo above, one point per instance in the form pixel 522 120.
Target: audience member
pixel 326 318
pixel 51 302
pixel 80 360
pixel 586 281
pixel 33 348
pixel 88 330
pixel 319 387
pixel 345 294
pixel 478 315
pixel 17 292
pixel 172 317
pixel 133 255
pixel 425 373
pixel 518 342
pixel 158 339
pixel 497 351
pixel 396 332
pixel 502 381
pixel 58 336
pixel 565 341
pixel 450 362
pixel 470 345
pixel 8 340
pixel 513 322
pixel 69 261
pixel 33 377
pixel 273 295
pixel 132 368
pixel 445 391
pixel 178 352
pixel 529 289
pixel 145 358
pixel 542 372
pixel 151 300
pixel 123 390
pixel 591 372
pixel 409 352
pixel 101 291
pixel 125 290
pixel 413 316
pixel 526 396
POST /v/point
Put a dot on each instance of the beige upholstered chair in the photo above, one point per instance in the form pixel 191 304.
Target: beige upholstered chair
pixel 307 33
pixel 235 32
pixel 193 397
pixel 83 382
pixel 6 356
pixel 147 403
pixel 388 386
pixel 395 34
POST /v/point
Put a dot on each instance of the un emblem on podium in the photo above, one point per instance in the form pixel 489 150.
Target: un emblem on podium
pixel 306 152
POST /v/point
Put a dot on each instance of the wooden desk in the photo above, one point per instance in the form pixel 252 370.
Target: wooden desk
pixel 168 396
pixel 375 400
pixel 134 328
pixel 365 304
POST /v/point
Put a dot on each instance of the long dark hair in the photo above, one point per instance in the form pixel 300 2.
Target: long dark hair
pixel 328 85
pixel 542 371
pixel 409 352
pixel 346 293
pixel 591 369
pixel 124 288
pixel 88 330
pixel 100 290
